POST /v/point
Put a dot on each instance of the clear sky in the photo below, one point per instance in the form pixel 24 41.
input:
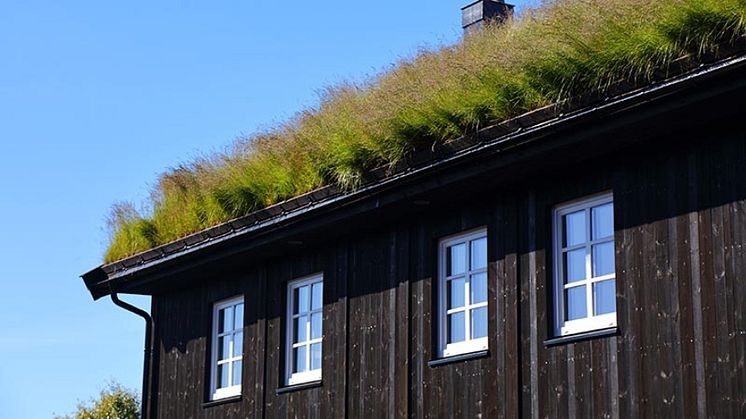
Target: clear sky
pixel 97 98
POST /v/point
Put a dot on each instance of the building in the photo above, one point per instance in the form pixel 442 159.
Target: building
pixel 582 260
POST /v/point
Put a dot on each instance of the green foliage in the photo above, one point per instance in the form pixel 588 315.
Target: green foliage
pixel 562 49
pixel 131 232
pixel 114 402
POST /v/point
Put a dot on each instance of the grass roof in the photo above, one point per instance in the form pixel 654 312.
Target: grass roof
pixel 562 49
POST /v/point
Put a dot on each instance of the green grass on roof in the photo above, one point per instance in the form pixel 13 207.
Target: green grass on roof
pixel 562 49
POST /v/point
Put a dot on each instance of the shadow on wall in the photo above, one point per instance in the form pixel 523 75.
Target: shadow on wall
pixel 651 183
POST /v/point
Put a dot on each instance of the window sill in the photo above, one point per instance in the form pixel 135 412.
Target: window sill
pixel 299 387
pixel 224 400
pixel 458 358
pixel 578 337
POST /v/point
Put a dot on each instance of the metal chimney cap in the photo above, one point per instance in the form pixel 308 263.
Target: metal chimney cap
pixel 475 14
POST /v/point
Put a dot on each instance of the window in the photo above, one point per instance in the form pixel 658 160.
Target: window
pixel 584 275
pixel 304 330
pixel 227 348
pixel 462 293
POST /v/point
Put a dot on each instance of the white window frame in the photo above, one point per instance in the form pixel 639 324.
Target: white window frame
pixel 309 375
pixel 591 322
pixel 469 345
pixel 233 390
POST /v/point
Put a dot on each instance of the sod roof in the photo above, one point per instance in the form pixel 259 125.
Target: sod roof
pixel 439 103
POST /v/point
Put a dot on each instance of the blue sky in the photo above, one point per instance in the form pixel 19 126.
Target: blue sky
pixel 97 98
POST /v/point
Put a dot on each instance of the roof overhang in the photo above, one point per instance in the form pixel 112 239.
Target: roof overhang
pixel 540 140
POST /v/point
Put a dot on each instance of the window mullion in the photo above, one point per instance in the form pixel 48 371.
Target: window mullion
pixel 230 373
pixel 588 263
pixel 467 311
pixel 467 256
pixel 308 333
pixel 467 290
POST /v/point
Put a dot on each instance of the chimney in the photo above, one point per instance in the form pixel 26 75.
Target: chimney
pixel 476 14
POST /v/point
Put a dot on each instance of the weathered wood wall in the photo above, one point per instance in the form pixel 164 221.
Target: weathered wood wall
pixel 680 215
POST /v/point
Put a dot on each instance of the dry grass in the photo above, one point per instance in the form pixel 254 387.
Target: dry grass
pixel 559 50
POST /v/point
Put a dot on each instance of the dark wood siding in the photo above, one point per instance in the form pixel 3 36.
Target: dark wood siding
pixel 680 239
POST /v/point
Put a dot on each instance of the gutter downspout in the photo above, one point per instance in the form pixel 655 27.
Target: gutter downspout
pixel 144 405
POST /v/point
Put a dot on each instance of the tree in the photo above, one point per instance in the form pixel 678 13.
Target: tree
pixel 114 402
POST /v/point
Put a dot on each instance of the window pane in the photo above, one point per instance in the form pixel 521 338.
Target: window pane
pixel 456 297
pixel 238 318
pixel 478 288
pixel 238 344
pixel 317 292
pixel 300 300
pixel 226 319
pixel 574 265
pixel 603 259
pixel 224 347
pixel 574 231
pixel 479 253
pixel 604 297
pixel 456 259
pixel 316 325
pixel 223 376
pixel 603 221
pixel 299 359
pixel 299 329
pixel 456 332
pixel 575 304
pixel 479 323
pixel 316 356
pixel 237 373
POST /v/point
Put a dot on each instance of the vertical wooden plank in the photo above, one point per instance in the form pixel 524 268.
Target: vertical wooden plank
pixel 401 327
pixel 417 338
pixel 277 276
pixel 532 303
pixel 431 388
pixel 583 383
pixel 353 360
pixel 260 344
pixel 572 404
pixel 613 395
pixel 675 199
pixel 493 390
pixel 524 313
pixel 499 270
pixel 539 257
pixel 737 214
pixel 391 319
pixel 512 307
pixel 696 287
pixel 708 306
pixel 600 378
pixel 680 258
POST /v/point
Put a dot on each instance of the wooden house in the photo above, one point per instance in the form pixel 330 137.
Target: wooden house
pixel 582 260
